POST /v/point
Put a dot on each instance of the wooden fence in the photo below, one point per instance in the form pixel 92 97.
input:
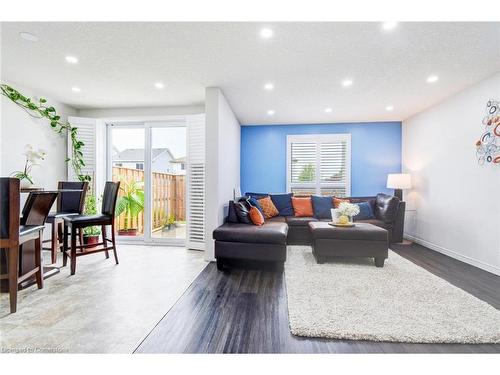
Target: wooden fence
pixel 168 197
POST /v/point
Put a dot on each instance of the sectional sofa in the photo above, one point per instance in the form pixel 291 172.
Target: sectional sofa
pixel 236 240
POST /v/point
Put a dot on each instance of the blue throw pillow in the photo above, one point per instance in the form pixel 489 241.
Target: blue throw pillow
pixel 365 211
pixel 257 195
pixel 322 207
pixel 255 203
pixel 283 203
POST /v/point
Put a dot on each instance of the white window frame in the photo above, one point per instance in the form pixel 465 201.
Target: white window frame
pixel 318 139
pixel 146 123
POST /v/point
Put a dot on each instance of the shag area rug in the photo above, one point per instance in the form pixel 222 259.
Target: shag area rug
pixel 401 302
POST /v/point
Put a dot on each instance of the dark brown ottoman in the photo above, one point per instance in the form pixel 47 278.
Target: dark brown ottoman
pixel 362 240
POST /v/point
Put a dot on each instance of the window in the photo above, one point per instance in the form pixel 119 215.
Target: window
pixel 319 164
pixel 139 166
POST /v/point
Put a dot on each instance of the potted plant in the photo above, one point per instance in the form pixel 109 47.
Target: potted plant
pixel 91 234
pixel 131 204
pixel 32 157
pixel 169 222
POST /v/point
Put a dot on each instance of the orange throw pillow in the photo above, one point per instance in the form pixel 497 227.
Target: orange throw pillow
pixel 256 216
pixel 338 201
pixel 268 207
pixel 302 206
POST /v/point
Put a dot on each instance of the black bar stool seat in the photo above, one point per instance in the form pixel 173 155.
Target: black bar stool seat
pixel 82 221
pixel 69 203
pixel 78 222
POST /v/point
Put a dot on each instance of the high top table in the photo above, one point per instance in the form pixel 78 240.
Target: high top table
pixel 27 256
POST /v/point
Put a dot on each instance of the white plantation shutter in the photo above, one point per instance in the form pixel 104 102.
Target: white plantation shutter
pixel 319 164
pixel 303 166
pixel 196 182
pixel 87 134
pixel 333 164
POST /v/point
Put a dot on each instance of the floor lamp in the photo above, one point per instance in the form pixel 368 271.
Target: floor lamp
pixel 398 182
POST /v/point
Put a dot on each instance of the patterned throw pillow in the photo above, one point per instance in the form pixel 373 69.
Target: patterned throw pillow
pixel 268 208
pixel 256 216
pixel 338 201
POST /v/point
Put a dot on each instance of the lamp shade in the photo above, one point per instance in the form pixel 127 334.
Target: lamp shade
pixel 399 181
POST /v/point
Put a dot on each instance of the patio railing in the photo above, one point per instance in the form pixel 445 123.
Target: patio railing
pixel 168 197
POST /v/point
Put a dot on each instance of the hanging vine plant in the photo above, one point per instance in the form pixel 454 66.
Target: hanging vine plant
pixel 39 109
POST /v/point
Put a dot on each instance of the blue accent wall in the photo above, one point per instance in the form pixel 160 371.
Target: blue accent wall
pixel 375 152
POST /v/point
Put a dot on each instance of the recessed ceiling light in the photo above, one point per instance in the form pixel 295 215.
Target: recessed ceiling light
pixel 266 33
pixel 28 36
pixel 347 82
pixel 389 108
pixel 159 85
pixel 432 79
pixel 71 59
pixel 328 110
pixel 389 25
pixel 76 89
pixel 269 86
pixel 270 112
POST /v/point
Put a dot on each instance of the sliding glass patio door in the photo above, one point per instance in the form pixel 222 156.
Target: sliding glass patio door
pixel 167 181
pixel 149 159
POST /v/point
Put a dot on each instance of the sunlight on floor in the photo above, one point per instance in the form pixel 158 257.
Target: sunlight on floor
pixel 104 308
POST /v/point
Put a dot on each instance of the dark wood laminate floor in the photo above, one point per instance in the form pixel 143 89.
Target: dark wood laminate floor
pixel 245 311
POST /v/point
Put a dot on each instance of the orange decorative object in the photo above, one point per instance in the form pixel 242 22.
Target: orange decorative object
pixel 268 207
pixel 497 130
pixel 302 206
pixel 256 216
pixel 338 201
pixel 496 160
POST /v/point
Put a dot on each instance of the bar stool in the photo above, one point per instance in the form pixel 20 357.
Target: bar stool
pixel 15 232
pixel 78 222
pixel 68 203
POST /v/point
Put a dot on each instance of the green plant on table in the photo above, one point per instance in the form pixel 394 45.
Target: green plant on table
pixel 131 203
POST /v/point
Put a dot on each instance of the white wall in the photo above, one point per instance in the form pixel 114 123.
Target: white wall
pixel 456 201
pixel 18 128
pixel 222 162
pixel 141 111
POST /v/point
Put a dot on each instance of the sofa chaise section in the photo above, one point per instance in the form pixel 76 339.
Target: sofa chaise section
pixel 250 242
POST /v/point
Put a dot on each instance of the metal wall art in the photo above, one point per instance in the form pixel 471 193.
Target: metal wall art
pixel 488 146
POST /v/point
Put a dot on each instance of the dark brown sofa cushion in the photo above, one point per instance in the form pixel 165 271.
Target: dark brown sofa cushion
pixel 378 223
pixel 299 220
pixel 386 207
pixel 276 219
pixel 270 233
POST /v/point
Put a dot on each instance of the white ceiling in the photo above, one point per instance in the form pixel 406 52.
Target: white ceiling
pixel 120 62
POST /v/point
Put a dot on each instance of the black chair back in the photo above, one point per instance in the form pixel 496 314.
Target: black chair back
pixel 9 207
pixel 69 201
pixel 109 198
pixel 37 207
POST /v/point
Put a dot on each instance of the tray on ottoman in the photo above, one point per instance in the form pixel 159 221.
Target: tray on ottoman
pixel 362 240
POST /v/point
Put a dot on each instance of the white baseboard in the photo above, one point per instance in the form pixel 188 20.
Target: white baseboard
pixel 474 262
